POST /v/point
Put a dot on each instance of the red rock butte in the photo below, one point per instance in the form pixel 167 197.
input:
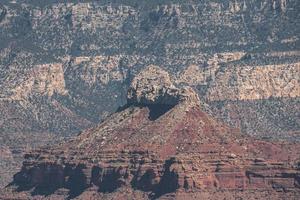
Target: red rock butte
pixel 161 145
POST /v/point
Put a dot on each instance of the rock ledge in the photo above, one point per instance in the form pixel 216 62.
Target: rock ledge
pixel 154 86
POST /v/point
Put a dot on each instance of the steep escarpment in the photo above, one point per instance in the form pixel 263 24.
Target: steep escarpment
pixel 259 82
pixel 65 67
pixel 182 153
pixel 95 48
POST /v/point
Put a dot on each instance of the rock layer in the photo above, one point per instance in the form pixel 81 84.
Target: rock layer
pixel 153 86
pixel 242 57
pixel 182 153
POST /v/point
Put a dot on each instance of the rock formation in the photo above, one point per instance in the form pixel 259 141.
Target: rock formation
pixel 66 66
pixel 99 46
pixel 154 86
pixel 181 153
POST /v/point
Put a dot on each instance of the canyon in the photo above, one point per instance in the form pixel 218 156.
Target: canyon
pixel 66 67
pixel 160 145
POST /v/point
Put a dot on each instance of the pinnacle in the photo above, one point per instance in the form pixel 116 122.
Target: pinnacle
pixel 153 85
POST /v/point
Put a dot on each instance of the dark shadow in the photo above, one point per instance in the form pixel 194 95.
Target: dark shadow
pixel 44 179
pixel 77 182
pixel 145 183
pixel 22 181
pixel 157 110
pixel 297 181
pixel 122 108
pixel 95 175
pixel 110 182
pixel 168 183
pixel 107 180
pixel 44 190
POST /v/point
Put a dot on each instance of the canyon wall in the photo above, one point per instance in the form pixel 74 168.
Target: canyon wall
pixel 66 66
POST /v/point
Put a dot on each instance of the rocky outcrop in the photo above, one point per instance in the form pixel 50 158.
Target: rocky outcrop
pixel 153 86
pixel 145 172
pixel 254 83
pixel 46 80
pixel 183 151
pixel 99 47
pixel 65 67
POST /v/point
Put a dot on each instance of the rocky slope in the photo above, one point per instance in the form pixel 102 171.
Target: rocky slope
pixel 78 56
pixel 65 67
pixel 161 145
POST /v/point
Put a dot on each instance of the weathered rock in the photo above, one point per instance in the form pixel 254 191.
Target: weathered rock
pixel 153 86
pixel 181 152
pixel 64 67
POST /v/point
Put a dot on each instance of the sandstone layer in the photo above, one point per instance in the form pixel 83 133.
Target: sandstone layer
pixel 66 66
pixel 155 151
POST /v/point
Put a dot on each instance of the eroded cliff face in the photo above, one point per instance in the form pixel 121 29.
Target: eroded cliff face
pixel 46 80
pixel 256 82
pixel 183 153
pixel 93 49
pixel 66 66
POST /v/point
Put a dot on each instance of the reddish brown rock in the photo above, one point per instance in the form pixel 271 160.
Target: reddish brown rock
pixel 159 150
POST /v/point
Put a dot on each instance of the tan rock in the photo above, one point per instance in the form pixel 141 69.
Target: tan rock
pixel 256 82
pixel 153 86
pixel 45 80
